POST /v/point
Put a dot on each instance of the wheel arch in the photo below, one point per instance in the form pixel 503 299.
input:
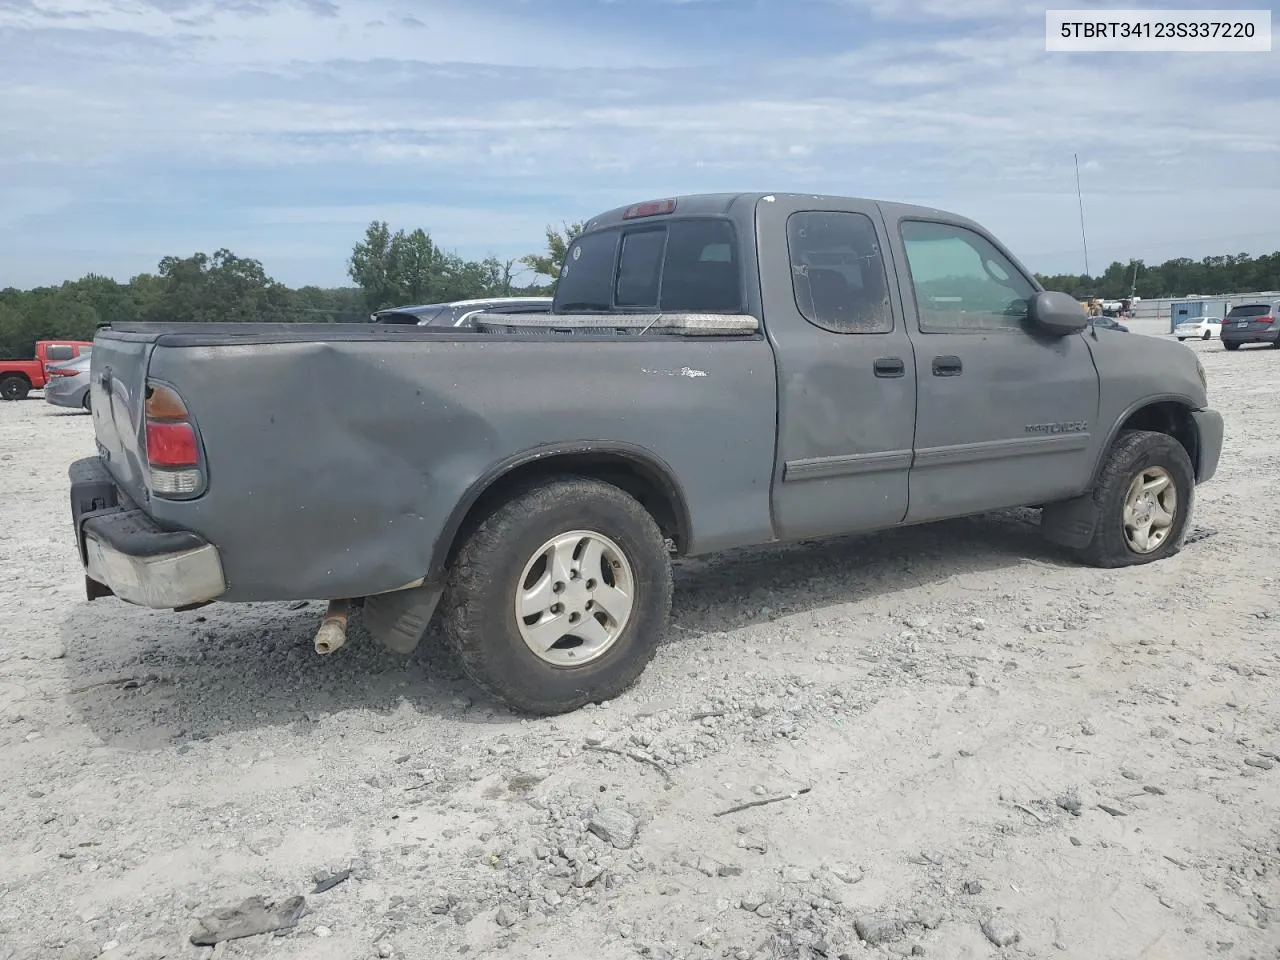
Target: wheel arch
pixel 1169 414
pixel 633 469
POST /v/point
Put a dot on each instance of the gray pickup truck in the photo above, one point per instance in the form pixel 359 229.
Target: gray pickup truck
pixel 719 371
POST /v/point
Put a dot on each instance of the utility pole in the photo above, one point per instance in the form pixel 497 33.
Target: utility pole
pixel 1080 198
pixel 1133 287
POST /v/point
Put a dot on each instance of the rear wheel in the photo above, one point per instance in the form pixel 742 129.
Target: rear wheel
pixel 86 403
pixel 1143 500
pixel 14 388
pixel 1208 335
pixel 560 597
pixel 1230 345
pixel 1180 339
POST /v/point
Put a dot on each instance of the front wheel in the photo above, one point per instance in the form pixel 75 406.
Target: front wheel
pixel 1143 500
pixel 560 597
pixel 1180 339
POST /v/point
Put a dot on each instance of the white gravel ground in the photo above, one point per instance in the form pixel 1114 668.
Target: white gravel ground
pixel 961 701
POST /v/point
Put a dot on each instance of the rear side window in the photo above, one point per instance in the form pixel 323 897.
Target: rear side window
pixel 1250 310
pixel 683 266
pixel 60 353
pixel 838 273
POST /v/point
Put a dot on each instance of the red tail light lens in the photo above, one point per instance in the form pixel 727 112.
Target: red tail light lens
pixel 173 448
pixel 171 445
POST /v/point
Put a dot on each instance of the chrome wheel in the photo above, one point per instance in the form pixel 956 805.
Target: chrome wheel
pixel 1150 508
pixel 574 598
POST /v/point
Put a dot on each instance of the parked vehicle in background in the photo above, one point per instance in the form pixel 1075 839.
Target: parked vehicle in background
pixel 1201 328
pixel 68 384
pixel 1107 323
pixel 460 312
pixel 20 377
pixel 1257 322
pixel 719 371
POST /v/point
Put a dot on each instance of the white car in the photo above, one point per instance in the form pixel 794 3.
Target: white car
pixel 1202 328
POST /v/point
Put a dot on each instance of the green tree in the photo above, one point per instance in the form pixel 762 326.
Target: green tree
pixel 370 265
pixel 548 264
pixel 221 288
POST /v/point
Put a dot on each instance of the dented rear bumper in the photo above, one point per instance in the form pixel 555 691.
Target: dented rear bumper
pixel 126 554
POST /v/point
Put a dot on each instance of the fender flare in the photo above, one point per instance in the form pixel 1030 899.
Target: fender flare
pixel 642 457
pixel 1129 411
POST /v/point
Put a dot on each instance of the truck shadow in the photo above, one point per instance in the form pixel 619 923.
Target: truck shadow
pixel 144 680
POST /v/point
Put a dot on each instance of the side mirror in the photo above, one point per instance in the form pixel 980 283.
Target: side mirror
pixel 1058 313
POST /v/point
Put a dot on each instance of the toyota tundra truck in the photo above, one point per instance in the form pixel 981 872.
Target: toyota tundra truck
pixel 718 371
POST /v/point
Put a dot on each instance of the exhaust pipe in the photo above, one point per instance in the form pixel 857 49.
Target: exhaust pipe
pixel 333 628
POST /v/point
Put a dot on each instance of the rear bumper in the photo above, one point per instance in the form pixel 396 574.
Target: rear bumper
pixel 126 554
pixel 68 395
pixel 1230 335
pixel 1209 443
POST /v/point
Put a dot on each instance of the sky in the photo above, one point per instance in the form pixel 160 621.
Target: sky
pixel 134 129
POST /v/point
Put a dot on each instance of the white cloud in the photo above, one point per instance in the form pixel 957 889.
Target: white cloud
pixel 172 124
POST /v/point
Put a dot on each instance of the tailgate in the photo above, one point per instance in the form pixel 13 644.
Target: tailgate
pixel 117 388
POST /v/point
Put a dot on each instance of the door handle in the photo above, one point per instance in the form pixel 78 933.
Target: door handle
pixel 890 367
pixel 947 366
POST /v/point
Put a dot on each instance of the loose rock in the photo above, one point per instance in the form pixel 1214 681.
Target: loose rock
pixel 615 826
pixel 1000 931
pixel 875 930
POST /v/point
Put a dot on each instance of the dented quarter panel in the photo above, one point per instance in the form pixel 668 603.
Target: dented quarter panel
pixel 334 465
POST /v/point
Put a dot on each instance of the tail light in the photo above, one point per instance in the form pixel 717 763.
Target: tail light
pixel 58 372
pixel 1266 320
pixel 173 449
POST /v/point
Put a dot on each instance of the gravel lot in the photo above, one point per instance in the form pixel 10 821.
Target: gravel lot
pixel 997 746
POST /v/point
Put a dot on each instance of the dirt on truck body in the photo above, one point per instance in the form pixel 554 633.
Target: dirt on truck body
pixel 718 371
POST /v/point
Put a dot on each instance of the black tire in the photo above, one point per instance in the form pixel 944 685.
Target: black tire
pixel 87 403
pixel 1133 452
pixel 1180 339
pixel 1208 335
pixel 479 610
pixel 1230 345
pixel 14 388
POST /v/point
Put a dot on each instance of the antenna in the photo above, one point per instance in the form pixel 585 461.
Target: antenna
pixel 1080 198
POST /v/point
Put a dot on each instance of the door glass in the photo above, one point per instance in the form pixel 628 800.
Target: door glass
pixel 837 272
pixel 962 282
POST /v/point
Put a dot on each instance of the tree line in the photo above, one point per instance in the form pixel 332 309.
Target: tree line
pixel 396 269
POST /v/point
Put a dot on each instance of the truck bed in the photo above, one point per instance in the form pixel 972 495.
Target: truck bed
pixel 339 456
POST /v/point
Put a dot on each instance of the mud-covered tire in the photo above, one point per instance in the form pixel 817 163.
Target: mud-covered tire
pixel 480 607
pixel 14 388
pixel 1134 452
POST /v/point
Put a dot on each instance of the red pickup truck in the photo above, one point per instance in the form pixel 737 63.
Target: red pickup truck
pixel 20 377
